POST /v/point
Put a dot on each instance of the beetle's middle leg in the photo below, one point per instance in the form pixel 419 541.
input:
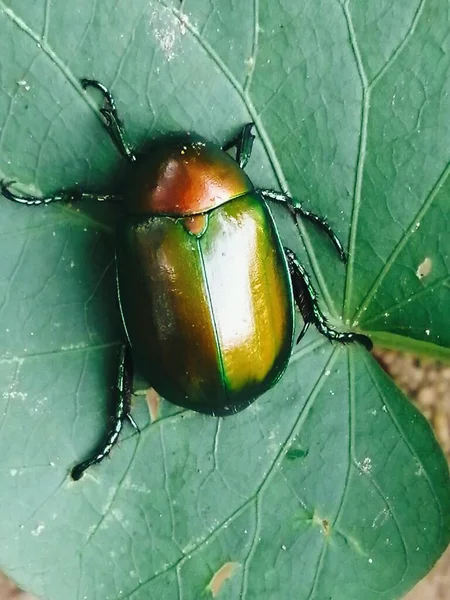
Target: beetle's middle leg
pixel 244 145
pixel 296 209
pixel 113 124
pixel 306 299
pixel 124 392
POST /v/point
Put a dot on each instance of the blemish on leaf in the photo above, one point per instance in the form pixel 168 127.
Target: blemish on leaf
pixel 167 29
pixel 365 466
pixel 294 453
pixel 39 529
pixel 381 518
pixel 424 268
pixel 220 577
pixel 24 83
pixel 153 403
pixel 324 524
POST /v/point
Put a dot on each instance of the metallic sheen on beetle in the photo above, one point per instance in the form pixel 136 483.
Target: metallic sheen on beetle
pixel 206 288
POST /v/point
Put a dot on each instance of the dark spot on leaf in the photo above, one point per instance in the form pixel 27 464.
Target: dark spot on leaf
pixel 294 453
pixel 326 526
pixel 220 576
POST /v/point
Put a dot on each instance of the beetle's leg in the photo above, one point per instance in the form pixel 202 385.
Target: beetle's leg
pixel 296 209
pixel 113 124
pixel 244 145
pixel 124 391
pixel 306 299
pixel 305 328
pixel 133 423
pixel 62 196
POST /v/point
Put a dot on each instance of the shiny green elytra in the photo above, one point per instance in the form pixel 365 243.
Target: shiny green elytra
pixel 206 288
pixel 203 280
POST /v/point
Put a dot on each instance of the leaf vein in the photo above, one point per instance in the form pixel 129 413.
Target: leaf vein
pixel 360 160
pixel 443 282
pixel 410 230
pixel 51 55
pixel 397 52
pixel 293 432
pixel 252 60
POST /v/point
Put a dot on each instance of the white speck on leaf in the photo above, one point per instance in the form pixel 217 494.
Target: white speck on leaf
pixel 118 514
pixel 420 470
pixel 74 346
pixel 8 360
pixel 23 83
pixel 365 466
pixel 13 394
pixel 381 518
pixel 39 529
pixel 166 28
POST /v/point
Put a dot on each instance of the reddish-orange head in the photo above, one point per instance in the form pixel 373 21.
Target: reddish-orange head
pixel 183 175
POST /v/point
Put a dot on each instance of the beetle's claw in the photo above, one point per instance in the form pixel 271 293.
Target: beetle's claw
pixel 4 186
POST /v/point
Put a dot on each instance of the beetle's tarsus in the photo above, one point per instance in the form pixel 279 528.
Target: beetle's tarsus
pixel 124 391
pixel 296 209
pixel 302 333
pixel 306 299
pixel 112 122
pixel 243 143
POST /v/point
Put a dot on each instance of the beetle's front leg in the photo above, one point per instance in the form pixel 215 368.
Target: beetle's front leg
pixel 113 124
pixel 124 392
pixel 244 145
pixel 306 300
pixel 62 196
pixel 296 209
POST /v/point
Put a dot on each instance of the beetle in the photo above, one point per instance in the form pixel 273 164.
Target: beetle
pixel 206 288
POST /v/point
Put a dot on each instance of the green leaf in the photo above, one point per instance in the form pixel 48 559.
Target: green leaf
pixel 331 485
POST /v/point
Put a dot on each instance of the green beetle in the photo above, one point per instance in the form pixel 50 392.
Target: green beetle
pixel 207 290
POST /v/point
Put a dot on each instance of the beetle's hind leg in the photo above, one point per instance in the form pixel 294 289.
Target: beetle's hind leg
pixel 113 124
pixel 244 145
pixel 62 196
pixel 306 300
pixel 124 392
pixel 296 209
